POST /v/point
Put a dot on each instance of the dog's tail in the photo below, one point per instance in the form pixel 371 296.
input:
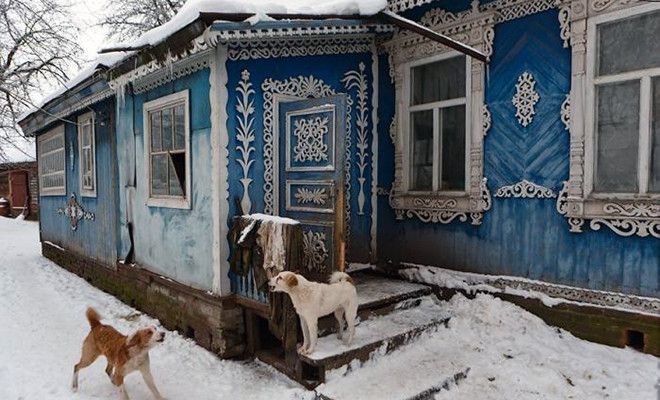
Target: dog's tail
pixel 93 317
pixel 339 276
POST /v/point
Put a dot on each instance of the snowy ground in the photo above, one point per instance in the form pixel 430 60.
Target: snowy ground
pixel 510 353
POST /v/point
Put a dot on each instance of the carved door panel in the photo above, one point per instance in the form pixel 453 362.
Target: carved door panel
pixel 311 177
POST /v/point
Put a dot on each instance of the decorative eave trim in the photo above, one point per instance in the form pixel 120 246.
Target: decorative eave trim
pixel 173 67
pixel 50 118
pixel 234 35
pixel 506 9
pixel 525 189
pixel 299 47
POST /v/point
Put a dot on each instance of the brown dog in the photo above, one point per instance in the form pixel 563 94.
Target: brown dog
pixel 124 354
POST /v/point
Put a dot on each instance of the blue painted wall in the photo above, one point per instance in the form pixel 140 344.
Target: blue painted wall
pixel 94 239
pixel 330 69
pixel 521 237
pixel 173 242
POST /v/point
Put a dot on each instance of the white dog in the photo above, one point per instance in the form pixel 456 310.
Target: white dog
pixel 314 300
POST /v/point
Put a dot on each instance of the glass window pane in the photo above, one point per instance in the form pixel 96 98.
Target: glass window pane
pixel 159 174
pixel 167 129
pixel 452 129
pixel 421 124
pixel 177 174
pixel 617 137
pixel 630 44
pixel 180 131
pixel 155 131
pixel 85 161
pixel 654 180
pixel 86 133
pixel 440 80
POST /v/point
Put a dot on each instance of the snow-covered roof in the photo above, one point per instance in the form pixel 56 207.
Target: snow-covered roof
pixel 191 11
pixel 193 8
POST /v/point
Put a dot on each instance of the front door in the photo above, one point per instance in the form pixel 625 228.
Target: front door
pixel 311 177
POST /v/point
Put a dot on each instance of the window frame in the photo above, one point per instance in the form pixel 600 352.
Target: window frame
pixel 435 107
pixel 167 201
pixel 644 78
pixel 84 118
pixel 52 191
pixel 624 214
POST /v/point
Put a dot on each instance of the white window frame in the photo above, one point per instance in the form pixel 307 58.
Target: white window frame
pixel 53 191
pixel 625 214
pixel 83 119
pixel 167 201
pixel 642 76
pixel 436 106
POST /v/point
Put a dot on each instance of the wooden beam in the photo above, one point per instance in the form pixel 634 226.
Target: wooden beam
pixel 395 19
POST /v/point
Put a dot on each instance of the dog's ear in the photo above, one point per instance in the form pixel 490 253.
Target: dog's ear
pixel 135 339
pixel 291 280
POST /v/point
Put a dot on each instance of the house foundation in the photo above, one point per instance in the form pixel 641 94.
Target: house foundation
pixel 215 323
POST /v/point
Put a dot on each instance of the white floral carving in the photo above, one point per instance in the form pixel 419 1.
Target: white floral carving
pixel 625 219
pixel 525 99
pixel 393 129
pixel 565 24
pixel 315 251
pixel 638 218
pixel 317 196
pixel 525 189
pixel 310 134
pixel 75 212
pixel 487 119
pixel 358 80
pixel 489 38
pixel 245 135
pixel 566 112
pixel 574 223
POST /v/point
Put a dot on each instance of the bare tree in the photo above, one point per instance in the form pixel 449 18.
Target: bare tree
pixel 127 19
pixel 37 48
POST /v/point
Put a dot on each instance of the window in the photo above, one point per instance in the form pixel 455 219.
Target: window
pixel 626 95
pixel 52 163
pixel 167 154
pixel 87 155
pixel 437 121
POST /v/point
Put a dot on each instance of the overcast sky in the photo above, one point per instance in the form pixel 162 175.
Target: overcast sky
pixel 86 14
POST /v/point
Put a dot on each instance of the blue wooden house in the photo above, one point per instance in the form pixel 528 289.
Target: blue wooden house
pixel 539 160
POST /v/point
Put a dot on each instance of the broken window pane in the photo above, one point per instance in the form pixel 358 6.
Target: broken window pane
pixel 177 174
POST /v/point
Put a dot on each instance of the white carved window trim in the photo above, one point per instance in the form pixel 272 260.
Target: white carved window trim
pixel 87 119
pixel 626 215
pixel 182 202
pixel 55 133
pixel 644 77
pixel 475 28
pixel 405 119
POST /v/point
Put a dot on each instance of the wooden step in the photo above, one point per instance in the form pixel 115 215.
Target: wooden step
pixel 391 331
pixel 378 295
